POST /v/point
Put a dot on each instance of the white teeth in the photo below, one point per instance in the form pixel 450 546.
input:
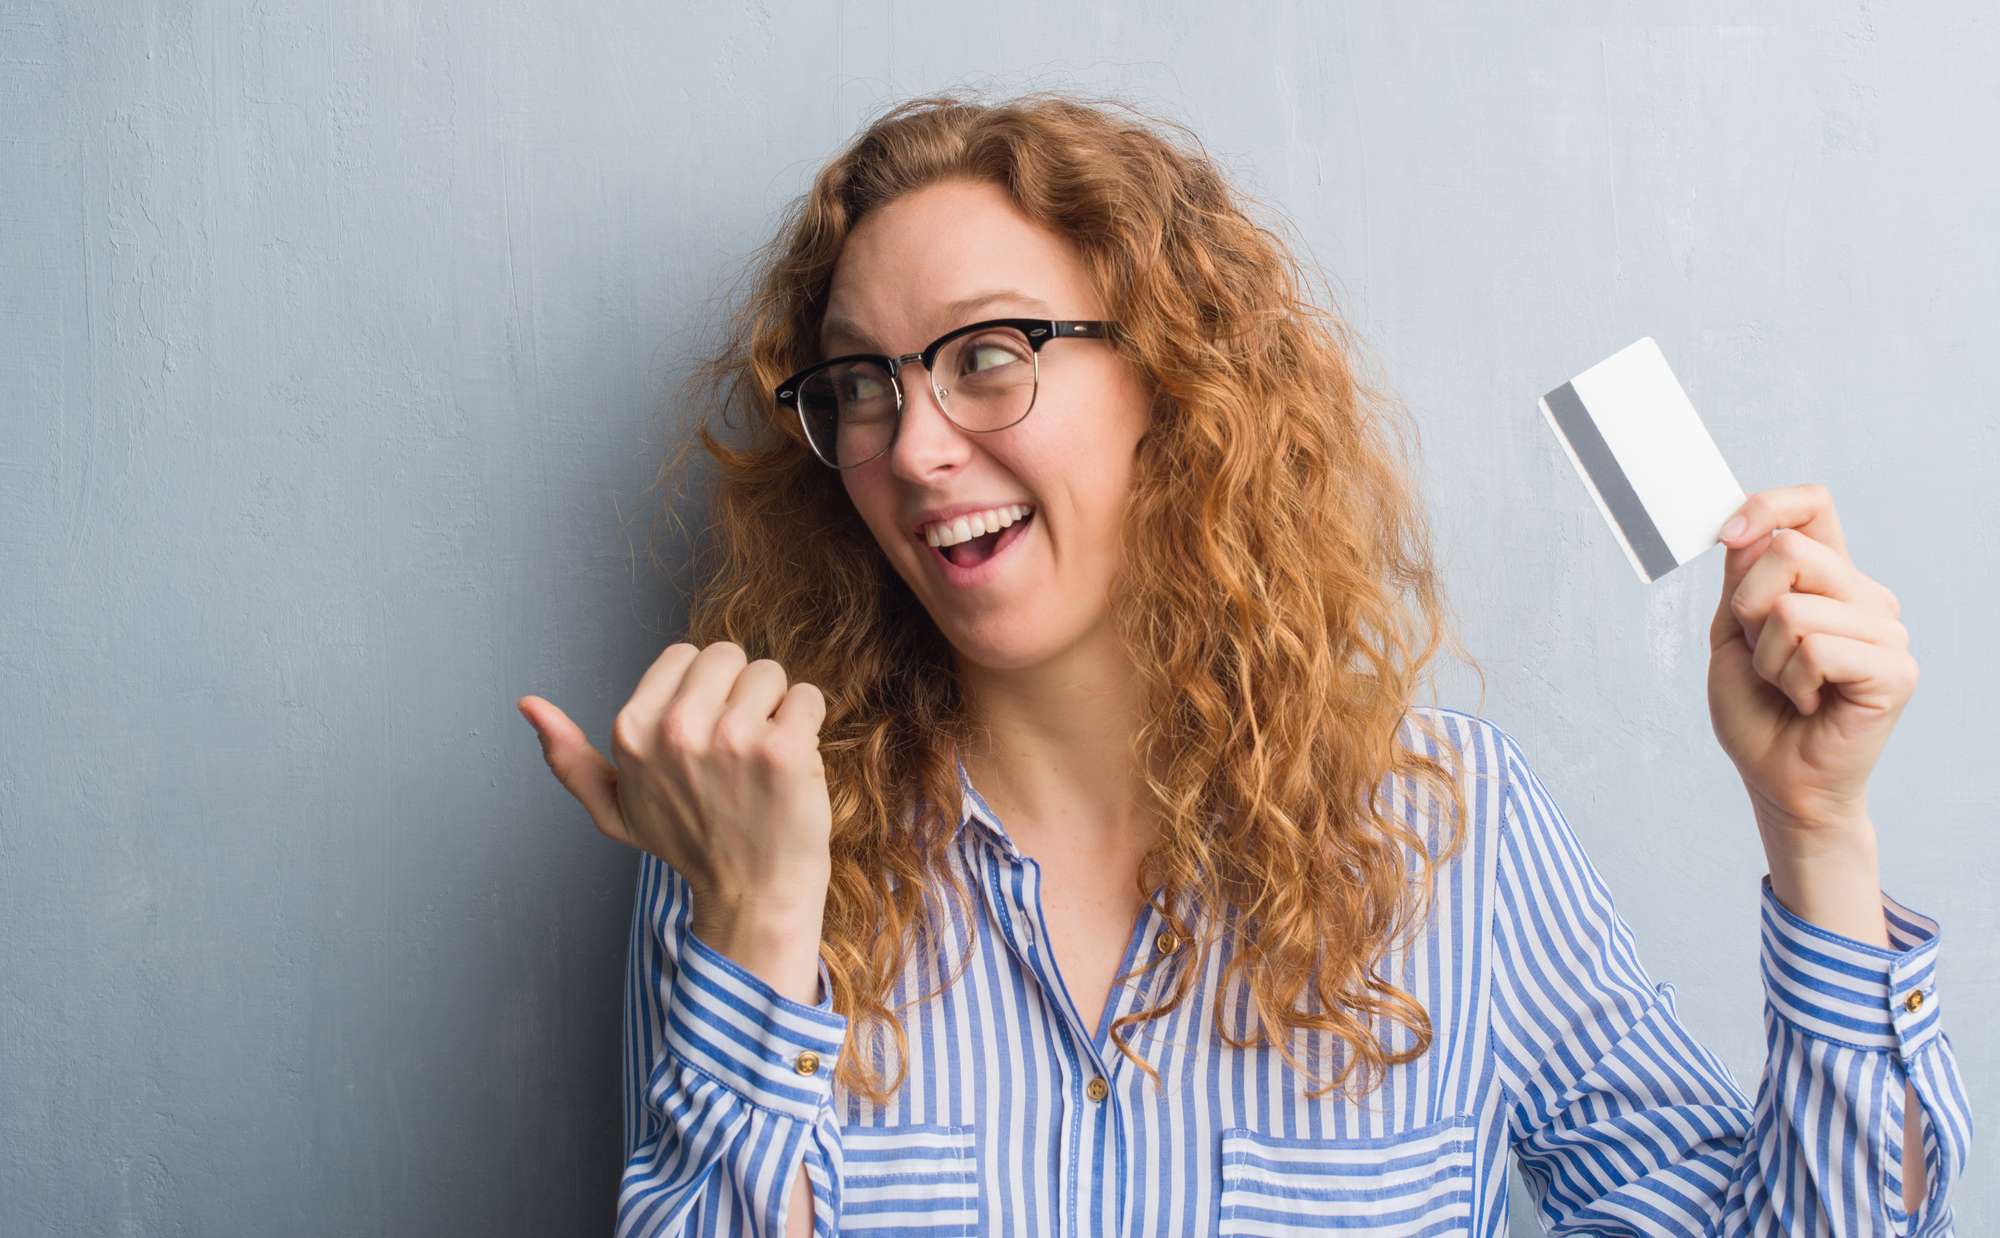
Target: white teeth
pixel 974 524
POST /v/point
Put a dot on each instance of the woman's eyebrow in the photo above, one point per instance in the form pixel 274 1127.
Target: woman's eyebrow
pixel 840 330
pixel 972 307
pixel 850 335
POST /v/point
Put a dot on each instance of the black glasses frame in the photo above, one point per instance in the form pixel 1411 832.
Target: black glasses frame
pixel 1038 331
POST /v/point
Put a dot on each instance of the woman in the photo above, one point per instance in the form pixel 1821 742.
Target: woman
pixel 1039 837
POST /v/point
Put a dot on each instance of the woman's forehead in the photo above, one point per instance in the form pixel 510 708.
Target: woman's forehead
pixel 945 255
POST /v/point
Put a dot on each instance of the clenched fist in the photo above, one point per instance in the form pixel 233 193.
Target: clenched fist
pixel 716 770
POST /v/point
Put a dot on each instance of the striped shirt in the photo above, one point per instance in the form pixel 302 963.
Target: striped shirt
pixel 1016 1117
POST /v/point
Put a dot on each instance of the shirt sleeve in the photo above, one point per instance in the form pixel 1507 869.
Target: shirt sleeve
pixel 728 1085
pixel 1624 1125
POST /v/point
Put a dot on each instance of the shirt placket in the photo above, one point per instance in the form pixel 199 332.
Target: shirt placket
pixel 1127 1081
pixel 1093 1131
pixel 1087 1131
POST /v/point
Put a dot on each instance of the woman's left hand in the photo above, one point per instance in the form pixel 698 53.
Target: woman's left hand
pixel 1809 669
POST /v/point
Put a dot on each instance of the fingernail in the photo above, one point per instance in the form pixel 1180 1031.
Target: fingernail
pixel 1734 529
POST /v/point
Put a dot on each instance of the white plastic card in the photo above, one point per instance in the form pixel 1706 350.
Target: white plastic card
pixel 1645 457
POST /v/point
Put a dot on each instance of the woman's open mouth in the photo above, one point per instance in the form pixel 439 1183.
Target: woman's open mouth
pixel 970 541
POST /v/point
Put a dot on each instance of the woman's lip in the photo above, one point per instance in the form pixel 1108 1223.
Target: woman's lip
pixel 973 577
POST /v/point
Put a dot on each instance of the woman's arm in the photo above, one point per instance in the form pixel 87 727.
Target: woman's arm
pixel 1625 1124
pixel 1809 670
pixel 1859 1125
pixel 728 1086
pixel 728 1069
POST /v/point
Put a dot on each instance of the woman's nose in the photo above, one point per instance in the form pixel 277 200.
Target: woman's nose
pixel 927 442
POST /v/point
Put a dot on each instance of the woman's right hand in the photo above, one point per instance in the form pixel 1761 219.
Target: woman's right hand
pixel 718 773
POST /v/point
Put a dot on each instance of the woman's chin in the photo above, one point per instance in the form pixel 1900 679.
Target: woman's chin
pixel 1010 644
pixel 997 654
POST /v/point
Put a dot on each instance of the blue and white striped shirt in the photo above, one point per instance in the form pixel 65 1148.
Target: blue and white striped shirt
pixel 1550 1041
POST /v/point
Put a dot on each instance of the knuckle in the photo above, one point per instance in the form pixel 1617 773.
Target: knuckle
pixel 1892 605
pixel 776 753
pixel 628 732
pixel 787 750
pixel 734 737
pixel 679 733
pixel 1788 611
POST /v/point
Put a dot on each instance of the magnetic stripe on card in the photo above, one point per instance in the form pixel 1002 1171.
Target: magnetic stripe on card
pixel 1573 419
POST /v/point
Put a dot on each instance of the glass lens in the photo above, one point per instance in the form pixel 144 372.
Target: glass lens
pixel 850 411
pixel 986 380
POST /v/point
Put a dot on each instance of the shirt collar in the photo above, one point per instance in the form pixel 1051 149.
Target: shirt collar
pixel 975 812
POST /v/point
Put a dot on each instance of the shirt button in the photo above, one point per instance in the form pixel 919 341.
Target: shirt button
pixel 1915 1001
pixel 1166 943
pixel 1097 1089
pixel 807 1064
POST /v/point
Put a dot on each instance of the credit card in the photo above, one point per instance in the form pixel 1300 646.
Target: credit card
pixel 1645 457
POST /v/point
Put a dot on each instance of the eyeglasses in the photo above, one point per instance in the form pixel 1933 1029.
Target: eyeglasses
pixel 985 377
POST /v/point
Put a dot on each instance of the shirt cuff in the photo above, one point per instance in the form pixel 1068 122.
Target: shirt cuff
pixel 736 1029
pixel 1837 989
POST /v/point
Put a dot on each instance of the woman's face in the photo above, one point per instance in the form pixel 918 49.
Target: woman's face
pixel 937 259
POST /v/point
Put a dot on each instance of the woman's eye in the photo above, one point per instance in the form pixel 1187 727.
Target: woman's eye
pixel 862 387
pixel 982 357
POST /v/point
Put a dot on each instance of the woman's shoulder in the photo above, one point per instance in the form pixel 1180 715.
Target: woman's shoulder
pixel 1483 762
pixel 1478 745
pixel 1501 796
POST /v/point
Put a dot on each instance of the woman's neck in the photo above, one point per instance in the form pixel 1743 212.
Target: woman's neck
pixel 1054 758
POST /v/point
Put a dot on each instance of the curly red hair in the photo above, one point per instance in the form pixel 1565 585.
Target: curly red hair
pixel 1277 591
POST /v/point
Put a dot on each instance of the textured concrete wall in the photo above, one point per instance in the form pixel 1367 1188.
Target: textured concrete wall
pixel 330 339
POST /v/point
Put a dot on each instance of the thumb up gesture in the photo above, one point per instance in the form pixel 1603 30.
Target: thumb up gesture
pixel 715 769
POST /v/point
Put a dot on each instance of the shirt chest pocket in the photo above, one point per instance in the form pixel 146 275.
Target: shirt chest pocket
pixel 909 1182
pixel 1418 1182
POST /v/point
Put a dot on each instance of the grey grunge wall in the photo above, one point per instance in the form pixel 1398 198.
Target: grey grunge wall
pixel 332 343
